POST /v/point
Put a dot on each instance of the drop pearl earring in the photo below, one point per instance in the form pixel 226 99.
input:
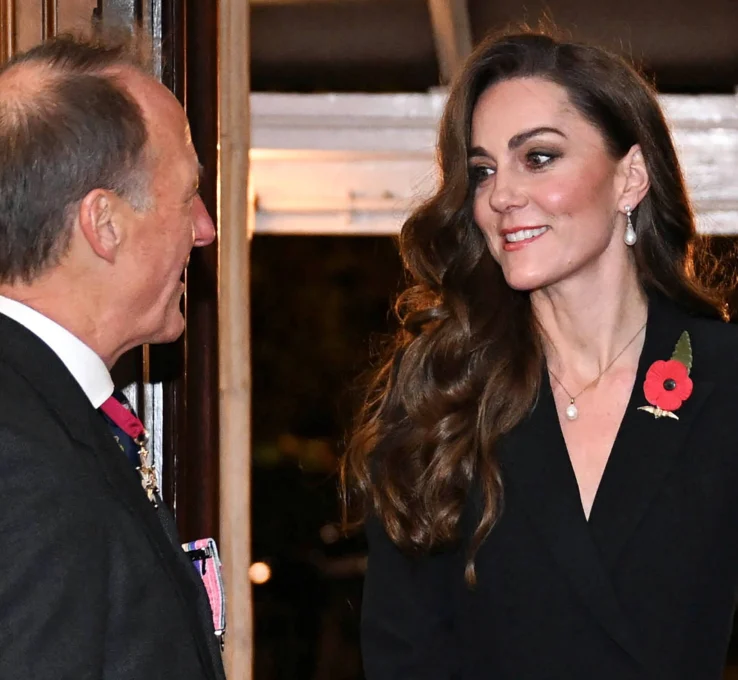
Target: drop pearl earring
pixel 630 233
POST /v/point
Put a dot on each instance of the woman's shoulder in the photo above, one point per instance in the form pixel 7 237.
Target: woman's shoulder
pixel 720 334
pixel 713 340
pixel 717 343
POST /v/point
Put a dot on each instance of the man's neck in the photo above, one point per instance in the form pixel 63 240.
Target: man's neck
pixel 66 308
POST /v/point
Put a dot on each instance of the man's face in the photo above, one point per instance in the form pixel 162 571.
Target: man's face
pixel 174 222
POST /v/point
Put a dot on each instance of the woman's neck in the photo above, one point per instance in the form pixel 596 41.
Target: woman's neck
pixel 585 327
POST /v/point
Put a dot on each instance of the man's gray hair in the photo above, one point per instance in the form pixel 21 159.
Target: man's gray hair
pixel 67 126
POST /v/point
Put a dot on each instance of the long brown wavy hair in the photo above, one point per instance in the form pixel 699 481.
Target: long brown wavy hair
pixel 465 367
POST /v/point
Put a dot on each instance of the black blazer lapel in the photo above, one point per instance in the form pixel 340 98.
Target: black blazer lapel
pixel 36 362
pixel 126 483
pixel 646 448
pixel 536 468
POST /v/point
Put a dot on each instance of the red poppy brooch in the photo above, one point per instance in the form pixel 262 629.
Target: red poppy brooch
pixel 668 384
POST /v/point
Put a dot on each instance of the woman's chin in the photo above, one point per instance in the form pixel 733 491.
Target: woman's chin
pixel 526 280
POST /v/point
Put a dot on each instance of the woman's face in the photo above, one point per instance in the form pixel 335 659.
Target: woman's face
pixel 546 188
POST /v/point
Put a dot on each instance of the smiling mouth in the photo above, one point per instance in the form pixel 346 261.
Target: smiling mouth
pixel 524 234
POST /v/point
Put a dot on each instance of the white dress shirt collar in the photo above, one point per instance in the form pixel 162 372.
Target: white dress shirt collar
pixel 88 368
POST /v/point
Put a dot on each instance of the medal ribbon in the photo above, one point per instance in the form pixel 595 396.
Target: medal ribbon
pixel 123 418
pixel 130 424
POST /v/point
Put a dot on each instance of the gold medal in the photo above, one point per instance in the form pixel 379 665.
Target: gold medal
pixel 147 470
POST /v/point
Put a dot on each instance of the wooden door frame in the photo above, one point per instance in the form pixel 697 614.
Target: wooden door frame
pixel 178 382
pixel 205 378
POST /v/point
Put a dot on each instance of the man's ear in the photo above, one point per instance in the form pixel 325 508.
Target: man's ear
pixel 636 181
pixel 99 221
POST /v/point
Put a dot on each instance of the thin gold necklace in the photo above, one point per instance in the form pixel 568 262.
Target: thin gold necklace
pixel 572 412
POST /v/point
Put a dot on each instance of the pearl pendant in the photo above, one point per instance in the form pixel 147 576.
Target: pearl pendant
pixel 572 412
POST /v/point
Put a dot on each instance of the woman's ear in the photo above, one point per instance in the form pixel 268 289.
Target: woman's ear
pixel 635 179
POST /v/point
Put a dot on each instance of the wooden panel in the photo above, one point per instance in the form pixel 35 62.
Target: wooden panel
pixel 188 369
pixel 179 389
pixel 235 331
pixel 50 18
pixel 74 14
pixel 200 469
pixel 7 29
pixel 28 24
pixel 167 362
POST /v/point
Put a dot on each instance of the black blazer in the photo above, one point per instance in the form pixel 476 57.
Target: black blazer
pixel 93 582
pixel 643 590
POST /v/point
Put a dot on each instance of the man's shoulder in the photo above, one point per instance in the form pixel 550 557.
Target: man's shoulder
pixel 19 398
pixel 25 416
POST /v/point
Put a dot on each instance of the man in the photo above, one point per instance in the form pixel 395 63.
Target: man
pixel 99 211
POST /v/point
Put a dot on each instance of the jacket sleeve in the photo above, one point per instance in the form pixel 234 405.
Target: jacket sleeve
pixel 406 622
pixel 53 589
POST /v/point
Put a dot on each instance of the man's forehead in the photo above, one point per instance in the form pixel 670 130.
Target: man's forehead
pixel 169 130
pixel 155 100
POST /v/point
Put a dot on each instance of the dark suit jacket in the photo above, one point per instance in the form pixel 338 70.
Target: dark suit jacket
pixel 643 590
pixel 93 582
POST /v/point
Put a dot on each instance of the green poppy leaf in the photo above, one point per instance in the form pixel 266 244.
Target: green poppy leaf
pixel 683 351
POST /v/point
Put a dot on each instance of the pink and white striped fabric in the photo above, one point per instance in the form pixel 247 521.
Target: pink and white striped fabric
pixel 205 559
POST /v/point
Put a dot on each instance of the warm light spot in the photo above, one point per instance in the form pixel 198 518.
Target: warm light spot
pixel 329 533
pixel 259 572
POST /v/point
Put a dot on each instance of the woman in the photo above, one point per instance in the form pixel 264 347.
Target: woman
pixel 548 458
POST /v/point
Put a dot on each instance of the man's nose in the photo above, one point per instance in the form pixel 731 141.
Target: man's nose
pixel 203 224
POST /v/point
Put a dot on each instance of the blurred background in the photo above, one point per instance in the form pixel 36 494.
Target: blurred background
pixel 322 297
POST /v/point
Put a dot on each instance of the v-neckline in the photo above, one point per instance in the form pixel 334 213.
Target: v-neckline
pixel 538 475
pixel 630 407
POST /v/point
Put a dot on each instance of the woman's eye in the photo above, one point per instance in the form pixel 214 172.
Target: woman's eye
pixel 479 173
pixel 539 159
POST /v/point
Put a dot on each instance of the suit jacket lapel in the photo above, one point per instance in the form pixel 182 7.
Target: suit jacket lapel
pixel 37 363
pixel 646 448
pixel 537 470
pixel 158 526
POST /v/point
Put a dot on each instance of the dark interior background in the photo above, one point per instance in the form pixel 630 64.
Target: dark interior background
pixel 387 45
pixel 321 305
